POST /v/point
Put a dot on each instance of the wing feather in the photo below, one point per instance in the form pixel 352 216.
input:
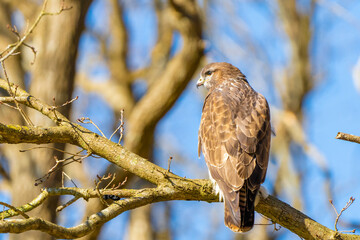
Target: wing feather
pixel 230 137
pixel 234 136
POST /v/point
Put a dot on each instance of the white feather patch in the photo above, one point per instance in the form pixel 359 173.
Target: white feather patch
pixel 217 188
pixel 264 194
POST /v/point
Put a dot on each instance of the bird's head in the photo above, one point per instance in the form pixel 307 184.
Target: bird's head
pixel 214 73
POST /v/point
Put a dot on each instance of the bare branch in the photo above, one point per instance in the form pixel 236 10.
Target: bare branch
pixel 15 134
pixel 13 47
pixel 297 222
pixel 25 208
pixel 121 127
pixel 62 180
pixel 33 102
pixel 60 208
pixel 15 31
pixel 348 137
pixel 66 103
pixel 338 215
pixel 12 93
pixel 58 166
pixel 113 210
pixel 15 209
pixel 87 120
pixel 169 163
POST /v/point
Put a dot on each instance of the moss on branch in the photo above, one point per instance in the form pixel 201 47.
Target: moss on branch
pixel 15 134
pixel 188 189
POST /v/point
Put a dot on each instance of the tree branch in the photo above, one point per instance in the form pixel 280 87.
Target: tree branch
pixel 183 15
pixel 140 198
pixel 15 134
pixel 13 47
pixel 269 206
pixel 297 222
pixel 348 137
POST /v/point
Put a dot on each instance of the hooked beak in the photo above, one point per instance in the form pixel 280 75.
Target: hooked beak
pixel 200 82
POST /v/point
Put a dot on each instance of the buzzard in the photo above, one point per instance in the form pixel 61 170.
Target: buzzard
pixel 234 137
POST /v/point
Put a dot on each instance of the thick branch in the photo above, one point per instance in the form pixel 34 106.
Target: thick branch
pixel 15 134
pixel 141 198
pixel 90 141
pixel 26 207
pixel 33 102
pixel 160 97
pixel 270 207
pixel 297 222
pixel 200 191
pixel 95 144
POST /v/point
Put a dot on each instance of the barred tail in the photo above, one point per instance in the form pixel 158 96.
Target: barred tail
pixel 239 214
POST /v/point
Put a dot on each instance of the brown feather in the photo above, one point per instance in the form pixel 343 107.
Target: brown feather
pixel 234 137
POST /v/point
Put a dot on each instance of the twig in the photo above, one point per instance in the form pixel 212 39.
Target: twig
pixel 348 204
pixel 14 30
pixel 169 163
pixel 121 127
pixel 120 184
pixel 82 120
pixel 65 162
pixel 113 196
pixel 66 103
pixel 270 220
pixel 47 175
pixel 107 196
pixel 56 149
pixel 13 95
pixel 15 209
pixel 97 188
pixel 348 137
pixel 54 107
pixel 112 179
pixel 62 179
pixel 8 105
pixel 348 231
pixel 13 47
pixel 60 208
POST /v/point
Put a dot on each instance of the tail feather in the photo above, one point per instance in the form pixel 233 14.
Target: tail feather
pixel 239 214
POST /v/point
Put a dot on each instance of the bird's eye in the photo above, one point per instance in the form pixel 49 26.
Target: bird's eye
pixel 208 73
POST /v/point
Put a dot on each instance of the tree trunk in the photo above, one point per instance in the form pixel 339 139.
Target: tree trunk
pixel 56 40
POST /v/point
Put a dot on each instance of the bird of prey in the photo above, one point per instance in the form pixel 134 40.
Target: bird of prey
pixel 234 137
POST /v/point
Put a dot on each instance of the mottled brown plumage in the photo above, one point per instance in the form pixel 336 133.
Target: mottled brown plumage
pixel 234 137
